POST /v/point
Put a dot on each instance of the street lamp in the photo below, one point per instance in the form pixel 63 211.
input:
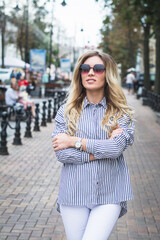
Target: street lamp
pixel 3 23
pixel 16 8
pixel 63 3
pixel 51 34
pixel 26 37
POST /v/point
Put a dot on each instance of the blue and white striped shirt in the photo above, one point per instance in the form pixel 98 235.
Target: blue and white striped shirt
pixel 104 180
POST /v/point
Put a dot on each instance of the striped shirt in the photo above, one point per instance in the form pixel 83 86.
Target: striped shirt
pixel 102 181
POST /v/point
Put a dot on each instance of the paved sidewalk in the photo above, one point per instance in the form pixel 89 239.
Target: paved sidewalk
pixel 29 179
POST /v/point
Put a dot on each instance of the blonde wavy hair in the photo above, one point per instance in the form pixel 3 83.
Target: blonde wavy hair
pixel 115 98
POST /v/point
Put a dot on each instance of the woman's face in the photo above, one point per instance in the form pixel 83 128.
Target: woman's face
pixel 93 80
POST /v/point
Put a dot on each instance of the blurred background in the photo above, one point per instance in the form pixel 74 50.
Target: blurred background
pixel 40 41
pixel 47 36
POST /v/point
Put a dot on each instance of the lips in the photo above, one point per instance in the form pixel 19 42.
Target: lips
pixel 90 80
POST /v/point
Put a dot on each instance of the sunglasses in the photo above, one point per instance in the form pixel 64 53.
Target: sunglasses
pixel 97 68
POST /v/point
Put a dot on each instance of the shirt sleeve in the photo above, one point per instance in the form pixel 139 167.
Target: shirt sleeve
pixel 69 155
pixel 11 96
pixel 113 148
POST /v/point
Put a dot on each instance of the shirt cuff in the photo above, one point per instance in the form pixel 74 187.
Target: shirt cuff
pixel 84 157
pixel 123 137
pixel 90 147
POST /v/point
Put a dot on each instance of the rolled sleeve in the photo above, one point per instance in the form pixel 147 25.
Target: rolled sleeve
pixel 104 149
pixel 125 139
pixel 73 156
pixel 84 157
pixel 111 148
pixel 90 147
pixel 69 155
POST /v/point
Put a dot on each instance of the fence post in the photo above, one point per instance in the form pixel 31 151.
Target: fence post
pixel 28 123
pixel 3 142
pixel 59 100
pixel 17 138
pixel 54 106
pixel 36 126
pixel 49 111
pixel 43 123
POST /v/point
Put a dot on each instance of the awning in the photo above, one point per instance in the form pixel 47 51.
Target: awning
pixel 14 62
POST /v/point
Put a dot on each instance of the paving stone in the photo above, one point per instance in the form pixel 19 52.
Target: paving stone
pixel 29 180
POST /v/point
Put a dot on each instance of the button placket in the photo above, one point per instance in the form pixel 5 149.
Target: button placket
pixel 94 111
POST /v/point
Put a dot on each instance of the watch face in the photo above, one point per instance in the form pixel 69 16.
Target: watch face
pixel 78 144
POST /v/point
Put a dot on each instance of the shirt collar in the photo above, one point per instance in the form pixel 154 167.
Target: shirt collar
pixel 87 103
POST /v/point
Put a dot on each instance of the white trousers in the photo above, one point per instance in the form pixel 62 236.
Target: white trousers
pixel 83 223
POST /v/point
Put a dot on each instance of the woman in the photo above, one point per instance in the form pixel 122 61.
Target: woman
pixel 14 95
pixel 91 132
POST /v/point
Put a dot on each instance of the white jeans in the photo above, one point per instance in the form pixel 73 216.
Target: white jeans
pixel 83 223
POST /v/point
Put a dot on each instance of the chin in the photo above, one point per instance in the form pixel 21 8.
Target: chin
pixel 95 89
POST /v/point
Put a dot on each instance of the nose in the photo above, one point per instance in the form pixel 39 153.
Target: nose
pixel 91 72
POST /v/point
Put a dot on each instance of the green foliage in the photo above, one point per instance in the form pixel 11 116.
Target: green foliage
pixel 38 35
pixel 121 34
pixel 40 14
pixel 120 38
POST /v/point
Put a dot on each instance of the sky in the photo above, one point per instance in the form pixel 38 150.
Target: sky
pixel 78 15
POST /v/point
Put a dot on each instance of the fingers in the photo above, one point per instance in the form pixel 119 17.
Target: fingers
pixel 55 143
pixel 55 147
pixel 61 141
pixel 116 132
pixel 117 129
pixel 59 136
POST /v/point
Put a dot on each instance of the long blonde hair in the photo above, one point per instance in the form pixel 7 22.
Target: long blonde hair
pixel 115 98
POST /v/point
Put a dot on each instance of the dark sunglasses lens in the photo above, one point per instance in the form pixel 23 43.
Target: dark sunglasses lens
pixel 98 68
pixel 85 68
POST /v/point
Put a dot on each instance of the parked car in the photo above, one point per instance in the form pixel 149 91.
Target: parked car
pixel 140 79
pixel 152 78
pixel 5 74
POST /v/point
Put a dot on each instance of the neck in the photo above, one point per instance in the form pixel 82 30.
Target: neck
pixel 94 97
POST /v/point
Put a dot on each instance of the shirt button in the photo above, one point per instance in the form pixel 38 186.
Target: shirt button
pixel 97 183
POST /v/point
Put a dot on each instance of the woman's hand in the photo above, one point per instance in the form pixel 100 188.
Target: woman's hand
pixel 62 141
pixel 91 157
pixel 116 132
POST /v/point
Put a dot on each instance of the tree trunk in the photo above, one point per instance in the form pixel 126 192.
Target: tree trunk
pixel 3 39
pixel 147 84
pixel 131 48
pixel 157 80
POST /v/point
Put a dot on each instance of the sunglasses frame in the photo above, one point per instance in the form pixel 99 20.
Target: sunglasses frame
pixel 95 68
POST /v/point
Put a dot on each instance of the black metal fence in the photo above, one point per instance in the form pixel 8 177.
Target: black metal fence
pixel 41 118
pixel 150 99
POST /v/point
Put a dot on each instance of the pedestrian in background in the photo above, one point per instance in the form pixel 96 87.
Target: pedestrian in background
pixel 45 79
pixel 13 95
pixel 23 83
pixel 13 74
pixel 18 76
pixel 130 80
pixel 92 130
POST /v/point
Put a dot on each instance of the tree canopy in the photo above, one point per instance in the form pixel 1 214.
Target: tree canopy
pixel 128 30
pixel 38 28
pixel 121 34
